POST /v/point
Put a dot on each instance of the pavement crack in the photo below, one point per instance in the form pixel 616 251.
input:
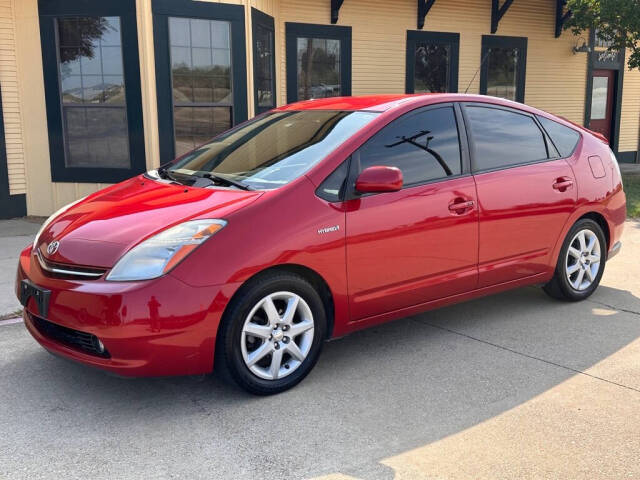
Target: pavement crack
pixel 533 357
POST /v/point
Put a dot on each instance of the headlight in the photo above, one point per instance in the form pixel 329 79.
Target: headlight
pixel 159 254
pixel 52 218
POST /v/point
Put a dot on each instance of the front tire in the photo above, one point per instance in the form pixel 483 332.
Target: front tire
pixel 580 264
pixel 271 334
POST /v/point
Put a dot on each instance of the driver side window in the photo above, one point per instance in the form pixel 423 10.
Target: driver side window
pixel 424 145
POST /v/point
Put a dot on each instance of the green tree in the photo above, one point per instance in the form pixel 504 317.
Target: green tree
pixel 617 21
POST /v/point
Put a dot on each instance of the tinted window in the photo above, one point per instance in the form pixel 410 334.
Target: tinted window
pixel 564 138
pixel 331 188
pixel 275 148
pixel 423 145
pixel 502 138
pixel 318 68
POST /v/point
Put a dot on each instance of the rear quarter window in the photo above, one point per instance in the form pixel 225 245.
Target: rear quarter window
pixel 564 138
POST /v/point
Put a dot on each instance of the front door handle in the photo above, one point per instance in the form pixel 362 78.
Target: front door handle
pixel 460 206
pixel 562 184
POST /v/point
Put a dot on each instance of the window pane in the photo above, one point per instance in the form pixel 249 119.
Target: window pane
pixel 318 68
pixel 502 138
pixel 425 146
pixel 599 98
pixel 96 137
pixel 201 74
pixel 431 68
pixel 264 55
pixel 91 76
pixel 502 66
pixel 331 188
pixel 564 138
pixel 197 125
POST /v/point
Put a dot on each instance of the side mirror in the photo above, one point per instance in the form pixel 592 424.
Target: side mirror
pixel 379 179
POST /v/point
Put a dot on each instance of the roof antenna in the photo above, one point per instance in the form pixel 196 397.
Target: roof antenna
pixel 484 59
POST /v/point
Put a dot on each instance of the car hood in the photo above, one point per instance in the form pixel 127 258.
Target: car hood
pixel 100 229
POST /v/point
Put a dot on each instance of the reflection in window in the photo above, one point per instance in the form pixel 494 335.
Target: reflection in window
pixel 201 80
pixel 264 61
pixel 503 138
pixel 564 138
pixel 93 92
pixel 424 146
pixel 599 94
pixel 432 63
pixel 502 72
pixel 318 68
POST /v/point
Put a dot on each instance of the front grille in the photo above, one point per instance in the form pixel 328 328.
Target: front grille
pixel 63 270
pixel 82 341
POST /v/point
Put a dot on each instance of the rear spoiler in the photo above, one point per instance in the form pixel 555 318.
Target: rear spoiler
pixel 598 135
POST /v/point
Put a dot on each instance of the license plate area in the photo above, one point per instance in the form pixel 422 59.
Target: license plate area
pixel 41 296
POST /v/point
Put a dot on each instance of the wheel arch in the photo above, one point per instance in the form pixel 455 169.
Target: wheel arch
pixel 313 277
pixel 600 220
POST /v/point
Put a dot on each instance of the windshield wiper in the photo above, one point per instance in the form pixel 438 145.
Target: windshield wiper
pixel 164 173
pixel 220 179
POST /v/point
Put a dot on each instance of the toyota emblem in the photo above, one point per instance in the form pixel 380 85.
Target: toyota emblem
pixel 53 247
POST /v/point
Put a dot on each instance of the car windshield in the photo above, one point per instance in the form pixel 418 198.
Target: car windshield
pixel 271 150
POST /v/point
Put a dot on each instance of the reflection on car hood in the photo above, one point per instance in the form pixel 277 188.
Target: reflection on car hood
pixel 100 229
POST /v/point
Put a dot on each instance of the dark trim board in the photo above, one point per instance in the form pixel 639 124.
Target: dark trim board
pixel 125 9
pixel 261 19
pixel 309 30
pixel 10 205
pixel 441 38
pixel 628 157
pixel 162 10
pixel 495 41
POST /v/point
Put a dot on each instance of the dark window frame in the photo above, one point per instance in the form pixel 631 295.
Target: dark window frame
pixel 438 38
pixel 552 153
pixel 162 10
pixel 261 19
pixel 465 161
pixel 495 41
pixel 308 30
pixel 49 11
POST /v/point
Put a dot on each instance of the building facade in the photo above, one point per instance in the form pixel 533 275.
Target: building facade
pixel 96 91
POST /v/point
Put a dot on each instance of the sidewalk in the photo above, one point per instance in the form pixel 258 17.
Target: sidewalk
pixel 14 236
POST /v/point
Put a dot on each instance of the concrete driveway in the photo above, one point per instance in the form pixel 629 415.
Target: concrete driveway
pixel 511 386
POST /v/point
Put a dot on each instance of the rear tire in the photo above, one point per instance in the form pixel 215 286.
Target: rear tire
pixel 580 264
pixel 271 334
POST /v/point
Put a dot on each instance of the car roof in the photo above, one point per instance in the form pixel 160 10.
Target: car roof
pixel 382 103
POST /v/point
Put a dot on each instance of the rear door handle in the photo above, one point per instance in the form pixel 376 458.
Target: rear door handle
pixel 563 183
pixel 460 207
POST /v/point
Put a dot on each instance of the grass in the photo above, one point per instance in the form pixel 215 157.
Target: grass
pixel 632 190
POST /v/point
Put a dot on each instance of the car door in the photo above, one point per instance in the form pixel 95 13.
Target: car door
pixel 525 192
pixel 420 243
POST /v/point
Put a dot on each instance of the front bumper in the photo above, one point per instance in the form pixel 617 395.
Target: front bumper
pixel 151 328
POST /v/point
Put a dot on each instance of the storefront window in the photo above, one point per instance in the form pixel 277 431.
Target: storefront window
pixel 503 65
pixel 201 80
pixel 263 61
pixel 318 68
pixel 92 88
pixel 318 61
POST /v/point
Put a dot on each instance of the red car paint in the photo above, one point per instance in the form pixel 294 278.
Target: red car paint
pixel 391 255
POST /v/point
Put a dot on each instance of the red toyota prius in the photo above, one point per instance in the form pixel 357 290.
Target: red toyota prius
pixel 315 220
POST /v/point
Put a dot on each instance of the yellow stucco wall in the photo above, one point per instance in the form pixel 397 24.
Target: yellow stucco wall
pixel 555 81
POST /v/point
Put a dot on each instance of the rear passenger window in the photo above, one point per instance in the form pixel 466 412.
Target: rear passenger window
pixel 564 138
pixel 503 138
pixel 424 145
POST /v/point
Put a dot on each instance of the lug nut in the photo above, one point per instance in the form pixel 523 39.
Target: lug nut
pixel 285 328
pixel 277 345
pixel 285 339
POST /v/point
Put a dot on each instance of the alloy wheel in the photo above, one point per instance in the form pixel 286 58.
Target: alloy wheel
pixel 583 260
pixel 277 335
